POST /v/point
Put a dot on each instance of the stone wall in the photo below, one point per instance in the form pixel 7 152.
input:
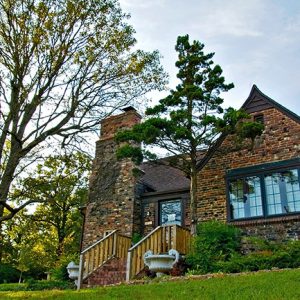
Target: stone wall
pixel 112 202
pixel 279 141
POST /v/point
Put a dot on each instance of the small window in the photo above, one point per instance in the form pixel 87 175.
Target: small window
pixel 259 119
pixel 170 212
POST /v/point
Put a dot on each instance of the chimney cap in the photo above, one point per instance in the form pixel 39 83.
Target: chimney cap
pixel 128 108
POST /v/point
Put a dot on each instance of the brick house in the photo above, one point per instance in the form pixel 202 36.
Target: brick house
pixel 253 185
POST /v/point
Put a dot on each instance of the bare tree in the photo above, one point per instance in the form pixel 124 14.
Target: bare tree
pixel 64 65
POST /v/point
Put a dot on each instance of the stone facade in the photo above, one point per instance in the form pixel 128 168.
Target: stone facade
pixel 279 142
pixel 118 200
pixel 112 203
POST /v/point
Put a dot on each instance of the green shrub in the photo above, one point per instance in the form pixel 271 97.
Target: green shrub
pixel 214 242
pixel 4 287
pixel 216 248
pixel 136 237
pixel 39 285
pixel 60 272
pixel 284 255
pixel 8 273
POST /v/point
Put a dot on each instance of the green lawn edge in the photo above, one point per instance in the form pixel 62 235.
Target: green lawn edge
pixel 279 284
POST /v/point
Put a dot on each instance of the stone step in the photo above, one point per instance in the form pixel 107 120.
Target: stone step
pixel 112 272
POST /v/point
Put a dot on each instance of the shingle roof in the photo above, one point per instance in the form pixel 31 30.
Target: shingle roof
pixel 161 178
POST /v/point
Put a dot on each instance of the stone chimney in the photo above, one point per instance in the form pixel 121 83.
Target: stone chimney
pixel 112 200
pixel 112 124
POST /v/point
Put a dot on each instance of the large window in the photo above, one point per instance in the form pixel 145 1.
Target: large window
pixel 264 194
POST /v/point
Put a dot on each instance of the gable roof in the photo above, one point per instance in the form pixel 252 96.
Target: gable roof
pixel 257 101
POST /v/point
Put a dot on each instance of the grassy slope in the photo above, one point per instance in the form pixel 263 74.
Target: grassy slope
pixel 261 285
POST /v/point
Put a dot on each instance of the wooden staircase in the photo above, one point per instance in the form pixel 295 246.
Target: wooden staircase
pixel 109 252
pixel 160 240
pixel 111 258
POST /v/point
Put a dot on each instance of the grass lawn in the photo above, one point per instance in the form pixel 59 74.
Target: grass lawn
pixel 261 285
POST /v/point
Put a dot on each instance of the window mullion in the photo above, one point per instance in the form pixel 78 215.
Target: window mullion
pixel 246 198
pixel 283 194
pixel 263 195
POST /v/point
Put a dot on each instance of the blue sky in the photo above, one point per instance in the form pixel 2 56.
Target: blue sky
pixel 255 41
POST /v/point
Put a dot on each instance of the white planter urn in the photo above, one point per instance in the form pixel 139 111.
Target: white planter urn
pixel 73 271
pixel 161 263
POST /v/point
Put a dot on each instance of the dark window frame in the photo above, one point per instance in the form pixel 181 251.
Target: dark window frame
pixel 260 171
pixel 158 210
pixel 259 118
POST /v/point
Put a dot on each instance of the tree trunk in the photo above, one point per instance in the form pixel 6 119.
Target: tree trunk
pixel 1 238
pixel 20 278
pixel 193 201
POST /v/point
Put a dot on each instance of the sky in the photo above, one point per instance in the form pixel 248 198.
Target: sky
pixel 255 41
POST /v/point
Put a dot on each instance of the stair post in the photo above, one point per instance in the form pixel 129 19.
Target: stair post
pixel 80 272
pixel 128 266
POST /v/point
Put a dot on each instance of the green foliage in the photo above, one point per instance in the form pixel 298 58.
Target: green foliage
pixel 285 255
pixel 129 151
pixel 136 237
pixel 214 242
pixel 190 118
pixel 261 285
pixel 35 285
pixel 186 120
pixel 60 272
pixel 49 237
pixel 8 274
pixel 12 287
pixel 65 65
pixel 216 249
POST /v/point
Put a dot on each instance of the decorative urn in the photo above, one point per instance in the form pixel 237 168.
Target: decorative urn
pixel 161 263
pixel 73 271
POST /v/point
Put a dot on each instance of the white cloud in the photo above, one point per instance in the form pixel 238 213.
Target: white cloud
pixel 137 4
pixel 254 41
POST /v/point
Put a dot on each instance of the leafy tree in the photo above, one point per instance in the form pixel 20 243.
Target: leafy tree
pixel 64 65
pixel 31 248
pixel 60 185
pixel 41 240
pixel 190 118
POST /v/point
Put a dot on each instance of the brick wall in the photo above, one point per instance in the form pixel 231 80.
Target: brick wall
pixel 280 141
pixel 112 202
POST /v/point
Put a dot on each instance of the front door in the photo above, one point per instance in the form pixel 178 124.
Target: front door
pixel 170 212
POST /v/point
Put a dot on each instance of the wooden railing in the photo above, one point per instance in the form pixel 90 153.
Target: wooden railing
pixel 93 257
pixel 160 240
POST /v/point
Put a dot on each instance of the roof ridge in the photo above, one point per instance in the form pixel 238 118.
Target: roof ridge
pixel 269 100
pixel 272 102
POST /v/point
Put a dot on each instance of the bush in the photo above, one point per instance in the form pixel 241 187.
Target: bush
pixel 60 272
pixel 285 255
pixel 136 237
pixel 214 242
pixel 35 285
pixel 13 287
pixel 216 248
pixel 8 273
